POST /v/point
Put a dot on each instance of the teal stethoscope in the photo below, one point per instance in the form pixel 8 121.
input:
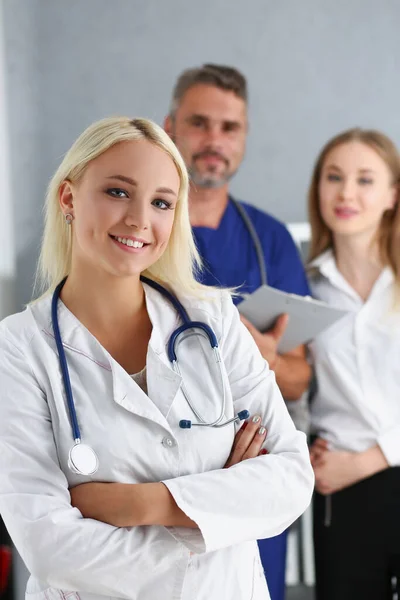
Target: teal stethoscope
pixel 82 458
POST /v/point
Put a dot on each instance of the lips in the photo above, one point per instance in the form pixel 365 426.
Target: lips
pixel 129 242
pixel 345 213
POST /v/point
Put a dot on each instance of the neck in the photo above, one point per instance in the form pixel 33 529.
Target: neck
pixel 105 304
pixel 207 206
pixel 358 260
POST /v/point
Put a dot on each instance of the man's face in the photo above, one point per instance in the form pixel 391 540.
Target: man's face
pixel 209 128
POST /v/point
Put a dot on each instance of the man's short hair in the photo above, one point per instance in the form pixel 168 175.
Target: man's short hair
pixel 220 76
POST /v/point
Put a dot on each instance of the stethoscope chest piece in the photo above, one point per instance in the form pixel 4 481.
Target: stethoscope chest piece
pixel 83 459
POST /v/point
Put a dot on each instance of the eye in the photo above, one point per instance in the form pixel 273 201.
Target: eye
pixel 198 123
pixel 231 127
pixel 333 177
pixel 365 181
pixel 162 204
pixel 117 193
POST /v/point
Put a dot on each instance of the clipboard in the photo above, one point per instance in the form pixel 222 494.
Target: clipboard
pixel 307 317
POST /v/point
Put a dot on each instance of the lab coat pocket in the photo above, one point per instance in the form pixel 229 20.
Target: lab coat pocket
pixel 52 594
pixel 56 594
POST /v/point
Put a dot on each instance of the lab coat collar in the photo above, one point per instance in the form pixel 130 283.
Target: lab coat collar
pixel 75 337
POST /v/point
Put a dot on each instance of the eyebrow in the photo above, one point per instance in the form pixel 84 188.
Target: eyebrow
pixel 199 116
pixel 339 169
pixel 125 179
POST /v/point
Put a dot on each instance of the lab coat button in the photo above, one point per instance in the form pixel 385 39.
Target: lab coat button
pixel 168 442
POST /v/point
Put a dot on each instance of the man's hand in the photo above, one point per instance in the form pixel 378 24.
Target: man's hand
pixel 268 342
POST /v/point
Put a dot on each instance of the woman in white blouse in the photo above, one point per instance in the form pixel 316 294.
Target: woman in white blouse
pixel 171 513
pixel 355 265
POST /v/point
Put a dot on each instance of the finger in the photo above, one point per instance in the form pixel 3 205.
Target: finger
pixel 320 442
pixel 279 327
pixel 239 433
pixel 318 460
pixel 318 449
pixel 256 445
pixel 244 441
pixel 263 451
pixel 319 446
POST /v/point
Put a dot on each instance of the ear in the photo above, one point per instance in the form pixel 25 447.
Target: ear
pixel 168 125
pixel 66 197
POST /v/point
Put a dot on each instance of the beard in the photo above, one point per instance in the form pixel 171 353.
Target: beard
pixel 211 178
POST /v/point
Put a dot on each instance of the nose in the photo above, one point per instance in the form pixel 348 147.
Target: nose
pixel 347 190
pixel 214 135
pixel 137 215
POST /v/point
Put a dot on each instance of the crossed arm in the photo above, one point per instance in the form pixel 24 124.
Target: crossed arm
pixel 132 505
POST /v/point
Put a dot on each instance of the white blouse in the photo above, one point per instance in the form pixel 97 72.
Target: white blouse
pixel 357 404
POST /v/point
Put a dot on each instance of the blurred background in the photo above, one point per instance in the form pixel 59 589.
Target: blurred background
pixel 313 68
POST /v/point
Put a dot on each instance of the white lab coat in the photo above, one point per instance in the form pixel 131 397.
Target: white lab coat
pixel 137 439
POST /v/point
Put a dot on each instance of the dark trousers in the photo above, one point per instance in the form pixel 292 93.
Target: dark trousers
pixel 357 540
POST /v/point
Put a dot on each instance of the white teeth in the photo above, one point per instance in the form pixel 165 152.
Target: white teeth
pixel 130 243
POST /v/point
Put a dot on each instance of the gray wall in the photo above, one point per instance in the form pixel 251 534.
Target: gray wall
pixel 314 67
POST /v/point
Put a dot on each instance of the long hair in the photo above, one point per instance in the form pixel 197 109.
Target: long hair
pixel 389 228
pixel 178 264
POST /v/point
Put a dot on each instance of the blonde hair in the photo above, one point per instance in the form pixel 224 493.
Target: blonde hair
pixel 177 266
pixel 389 229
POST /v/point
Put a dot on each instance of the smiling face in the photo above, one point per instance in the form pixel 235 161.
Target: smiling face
pixel 123 208
pixel 355 189
pixel 209 128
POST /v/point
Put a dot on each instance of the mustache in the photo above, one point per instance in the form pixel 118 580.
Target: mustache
pixel 211 153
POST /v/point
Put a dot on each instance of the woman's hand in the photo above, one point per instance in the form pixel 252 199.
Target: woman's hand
pixel 248 442
pixel 336 470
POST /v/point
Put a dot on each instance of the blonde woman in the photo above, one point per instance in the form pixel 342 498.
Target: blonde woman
pixel 355 252
pixel 120 471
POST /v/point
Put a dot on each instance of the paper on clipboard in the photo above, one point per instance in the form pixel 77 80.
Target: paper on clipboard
pixel 308 317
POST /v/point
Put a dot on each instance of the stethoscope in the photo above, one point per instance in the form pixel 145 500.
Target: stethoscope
pixel 254 238
pixel 82 459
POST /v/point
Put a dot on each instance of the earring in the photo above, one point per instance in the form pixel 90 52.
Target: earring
pixel 69 218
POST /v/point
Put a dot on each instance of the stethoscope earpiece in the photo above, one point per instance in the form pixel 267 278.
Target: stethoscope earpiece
pixel 241 416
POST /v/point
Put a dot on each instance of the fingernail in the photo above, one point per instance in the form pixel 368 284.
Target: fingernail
pixel 264 451
pixel 245 425
pixel 262 430
pixel 256 419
